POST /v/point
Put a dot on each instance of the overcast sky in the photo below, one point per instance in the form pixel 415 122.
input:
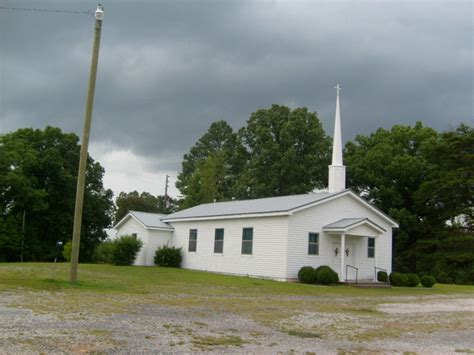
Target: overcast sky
pixel 168 69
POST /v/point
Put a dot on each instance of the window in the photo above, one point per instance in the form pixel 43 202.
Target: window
pixel 193 236
pixel 219 241
pixel 247 241
pixel 313 244
pixel 371 247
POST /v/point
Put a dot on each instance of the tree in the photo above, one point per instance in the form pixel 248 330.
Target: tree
pixel 219 145
pixel 445 202
pixel 289 152
pixel 207 184
pixel 448 191
pixel 144 202
pixel 424 180
pixel 38 172
pixel 387 168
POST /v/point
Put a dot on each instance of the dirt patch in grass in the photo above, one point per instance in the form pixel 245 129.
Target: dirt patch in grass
pixel 451 305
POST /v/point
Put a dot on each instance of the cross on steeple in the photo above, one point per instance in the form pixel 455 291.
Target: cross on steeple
pixel 338 88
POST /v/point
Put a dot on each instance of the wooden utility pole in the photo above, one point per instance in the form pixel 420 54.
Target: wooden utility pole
pixel 81 176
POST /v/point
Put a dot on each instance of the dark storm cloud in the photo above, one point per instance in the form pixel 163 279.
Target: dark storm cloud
pixel 170 68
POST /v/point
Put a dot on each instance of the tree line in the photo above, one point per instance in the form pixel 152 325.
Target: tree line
pixel 420 177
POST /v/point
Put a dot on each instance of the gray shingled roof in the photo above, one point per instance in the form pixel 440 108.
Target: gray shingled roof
pixel 151 220
pixel 261 205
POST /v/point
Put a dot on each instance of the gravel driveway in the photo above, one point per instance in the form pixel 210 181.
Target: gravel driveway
pixel 49 322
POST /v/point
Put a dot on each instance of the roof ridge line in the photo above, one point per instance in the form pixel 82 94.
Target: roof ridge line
pixel 265 198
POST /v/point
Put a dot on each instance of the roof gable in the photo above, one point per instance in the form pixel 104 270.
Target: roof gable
pixel 146 219
pixel 348 224
pixel 359 199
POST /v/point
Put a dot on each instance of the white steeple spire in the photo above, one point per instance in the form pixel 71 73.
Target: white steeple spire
pixel 337 171
pixel 337 143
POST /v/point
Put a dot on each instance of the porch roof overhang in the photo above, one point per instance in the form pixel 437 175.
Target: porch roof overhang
pixel 348 225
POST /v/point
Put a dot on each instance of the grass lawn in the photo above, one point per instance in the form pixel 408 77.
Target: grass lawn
pixel 292 310
pixel 111 279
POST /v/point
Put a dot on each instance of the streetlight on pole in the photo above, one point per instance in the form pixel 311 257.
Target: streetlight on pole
pixel 81 176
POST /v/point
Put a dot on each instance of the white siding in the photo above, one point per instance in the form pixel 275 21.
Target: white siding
pixel 156 238
pixel 315 218
pixel 130 227
pixel 268 258
pixel 365 231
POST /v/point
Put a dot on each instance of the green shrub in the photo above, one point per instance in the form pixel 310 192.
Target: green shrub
pixel 168 256
pixel 326 276
pixel 307 275
pixel 125 250
pixel 404 280
pixel 104 252
pixel 412 280
pixel 67 251
pixel 382 276
pixel 428 281
pixel 392 276
pixel 398 279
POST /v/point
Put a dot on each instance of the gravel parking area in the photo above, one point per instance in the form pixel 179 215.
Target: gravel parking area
pixel 49 322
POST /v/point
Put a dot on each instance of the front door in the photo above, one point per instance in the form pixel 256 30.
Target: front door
pixel 349 258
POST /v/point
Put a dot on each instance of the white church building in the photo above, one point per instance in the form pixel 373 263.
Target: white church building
pixel 274 237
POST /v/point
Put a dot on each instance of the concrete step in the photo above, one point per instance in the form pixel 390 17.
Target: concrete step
pixel 373 285
pixel 367 284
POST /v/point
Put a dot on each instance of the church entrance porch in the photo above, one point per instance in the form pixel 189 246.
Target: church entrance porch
pixel 354 248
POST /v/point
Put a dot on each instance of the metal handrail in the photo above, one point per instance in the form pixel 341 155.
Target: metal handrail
pixel 384 270
pixel 357 272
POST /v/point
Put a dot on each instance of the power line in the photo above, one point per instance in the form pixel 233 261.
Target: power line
pixel 76 12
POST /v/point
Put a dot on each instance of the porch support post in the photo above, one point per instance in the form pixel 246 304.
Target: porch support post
pixel 343 255
pixel 375 259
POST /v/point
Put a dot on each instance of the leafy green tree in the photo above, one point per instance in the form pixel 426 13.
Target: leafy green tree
pixel 387 168
pixel 143 202
pixel 207 184
pixel 289 152
pixel 38 172
pixel 219 155
pixel 424 180
pixel 445 202
pixel 448 191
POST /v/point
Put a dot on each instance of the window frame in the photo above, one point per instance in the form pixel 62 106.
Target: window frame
pixel 192 233
pixel 310 243
pixel 371 248
pixel 216 241
pixel 246 242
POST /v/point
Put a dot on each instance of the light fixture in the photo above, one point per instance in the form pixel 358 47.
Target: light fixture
pixel 99 12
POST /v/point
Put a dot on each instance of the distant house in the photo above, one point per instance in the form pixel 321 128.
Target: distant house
pixel 274 237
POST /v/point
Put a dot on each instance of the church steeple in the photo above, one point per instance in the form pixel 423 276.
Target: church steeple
pixel 337 171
